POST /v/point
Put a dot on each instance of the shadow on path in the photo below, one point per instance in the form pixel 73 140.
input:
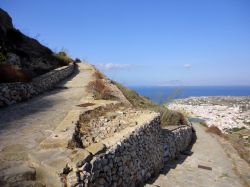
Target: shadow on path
pixel 172 164
pixel 34 105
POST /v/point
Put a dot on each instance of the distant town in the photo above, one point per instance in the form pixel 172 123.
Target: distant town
pixel 225 112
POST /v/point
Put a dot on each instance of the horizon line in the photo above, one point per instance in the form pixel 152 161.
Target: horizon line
pixel 188 85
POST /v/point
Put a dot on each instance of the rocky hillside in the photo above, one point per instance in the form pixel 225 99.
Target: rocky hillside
pixel 22 57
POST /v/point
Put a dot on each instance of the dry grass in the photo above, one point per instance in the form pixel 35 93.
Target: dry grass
pixel 184 113
pixel 170 117
pixel 100 89
pixel 242 145
pixel 10 74
pixel 98 75
pixel 234 138
pixel 63 57
pixel 135 99
pixel 242 150
pixel 86 104
pixel 96 85
pixel 215 130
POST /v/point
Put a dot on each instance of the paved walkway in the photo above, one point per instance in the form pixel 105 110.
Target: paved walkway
pixel 209 151
pixel 23 126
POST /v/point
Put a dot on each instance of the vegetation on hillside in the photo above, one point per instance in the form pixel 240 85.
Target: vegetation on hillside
pixel 28 57
pixel 135 99
pixel 215 130
pixel 63 56
pixel 100 90
pixel 168 117
pixel 99 87
pixel 98 75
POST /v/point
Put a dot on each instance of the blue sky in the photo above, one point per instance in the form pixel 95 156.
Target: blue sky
pixel 146 42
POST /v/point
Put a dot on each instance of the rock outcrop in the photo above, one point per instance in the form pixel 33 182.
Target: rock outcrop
pixel 22 52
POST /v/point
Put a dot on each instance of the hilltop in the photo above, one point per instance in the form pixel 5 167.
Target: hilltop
pixel 21 57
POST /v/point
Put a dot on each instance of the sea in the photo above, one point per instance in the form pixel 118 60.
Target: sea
pixel 162 94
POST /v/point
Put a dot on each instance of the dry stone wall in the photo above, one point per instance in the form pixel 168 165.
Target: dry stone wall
pixel 135 158
pixel 11 93
pixel 176 140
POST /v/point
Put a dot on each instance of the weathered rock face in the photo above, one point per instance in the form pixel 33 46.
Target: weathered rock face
pixel 5 23
pixel 24 52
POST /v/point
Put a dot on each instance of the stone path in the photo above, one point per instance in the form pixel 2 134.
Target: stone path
pixel 228 169
pixel 23 126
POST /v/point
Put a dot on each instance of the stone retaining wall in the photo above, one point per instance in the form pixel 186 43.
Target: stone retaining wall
pixel 11 93
pixel 134 159
pixel 176 140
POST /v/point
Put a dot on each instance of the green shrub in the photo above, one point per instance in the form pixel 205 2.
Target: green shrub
pixel 236 129
pixel 63 57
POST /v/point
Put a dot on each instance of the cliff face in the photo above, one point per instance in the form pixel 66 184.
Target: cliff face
pixel 22 53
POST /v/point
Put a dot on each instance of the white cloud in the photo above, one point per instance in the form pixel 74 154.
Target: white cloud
pixel 111 66
pixel 187 66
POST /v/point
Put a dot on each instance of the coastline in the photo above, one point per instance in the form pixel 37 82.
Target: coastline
pixel 161 94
